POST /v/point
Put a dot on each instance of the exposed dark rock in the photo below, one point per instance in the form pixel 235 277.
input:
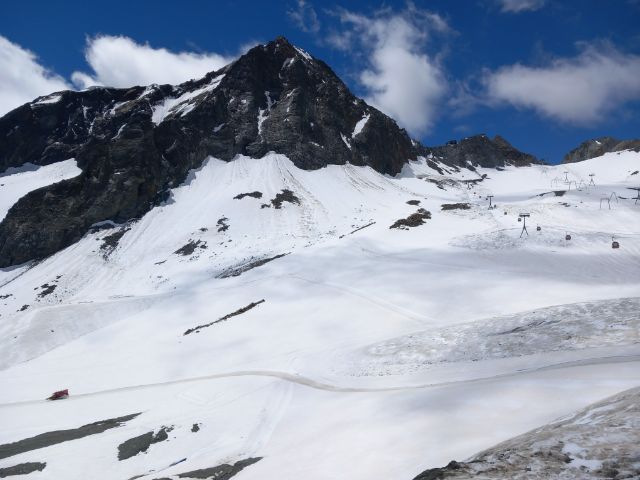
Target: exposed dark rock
pixel 435 166
pixel 22 469
pixel 59 436
pixel 240 311
pixel 110 242
pixel 222 224
pixel 220 472
pixel 46 290
pixel 141 443
pixel 274 98
pixel 413 202
pixel 479 151
pixel 195 428
pixel 245 267
pixel 455 206
pixel 3 297
pixel 23 308
pixel 598 147
pixel 190 247
pixel 284 196
pixel 413 220
pixel 438 473
pixel 240 196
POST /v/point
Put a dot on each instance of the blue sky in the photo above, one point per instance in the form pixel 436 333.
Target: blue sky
pixel 545 74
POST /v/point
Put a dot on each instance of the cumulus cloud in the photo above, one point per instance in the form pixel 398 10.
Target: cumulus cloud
pixel 400 77
pixel 517 6
pixel 305 17
pixel 118 61
pixel 579 90
pixel 22 78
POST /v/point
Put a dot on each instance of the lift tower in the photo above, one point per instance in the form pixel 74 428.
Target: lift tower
pixel 524 216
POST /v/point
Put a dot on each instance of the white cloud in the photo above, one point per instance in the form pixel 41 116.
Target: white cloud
pixel 517 6
pixel 305 17
pixel 119 61
pixel 579 90
pixel 22 78
pixel 400 78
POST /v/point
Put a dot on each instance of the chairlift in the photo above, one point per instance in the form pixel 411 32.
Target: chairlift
pixel 567 237
pixel 614 243
pixel 538 228
pixel 519 219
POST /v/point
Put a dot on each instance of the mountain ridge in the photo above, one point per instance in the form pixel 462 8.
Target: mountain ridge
pixel 134 145
pixel 597 147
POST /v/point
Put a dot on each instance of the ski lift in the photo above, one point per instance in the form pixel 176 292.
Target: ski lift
pixel 614 243
pixel 538 228
pixel 524 217
pixel 519 219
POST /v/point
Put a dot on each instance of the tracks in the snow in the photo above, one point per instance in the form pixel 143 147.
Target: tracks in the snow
pixel 318 385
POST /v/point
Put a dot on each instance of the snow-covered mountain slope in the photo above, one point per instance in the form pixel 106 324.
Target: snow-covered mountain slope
pixel 269 315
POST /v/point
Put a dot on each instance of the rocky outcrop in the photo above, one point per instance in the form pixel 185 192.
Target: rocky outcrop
pixel 595 443
pixel 479 151
pixel 133 145
pixel 598 147
pixel 133 446
pixel 22 469
pixel 48 439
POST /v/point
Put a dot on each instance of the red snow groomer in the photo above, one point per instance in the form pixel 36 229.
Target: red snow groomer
pixel 59 395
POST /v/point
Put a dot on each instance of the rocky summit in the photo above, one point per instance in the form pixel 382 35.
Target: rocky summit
pixel 480 151
pixel 134 145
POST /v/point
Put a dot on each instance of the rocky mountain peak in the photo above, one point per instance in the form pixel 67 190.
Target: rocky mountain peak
pixel 480 151
pixel 135 144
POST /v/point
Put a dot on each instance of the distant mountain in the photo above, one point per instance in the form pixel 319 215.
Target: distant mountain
pixel 599 146
pixel 134 145
pixel 480 151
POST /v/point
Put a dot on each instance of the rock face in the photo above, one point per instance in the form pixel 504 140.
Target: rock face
pixel 133 145
pixel 598 147
pixel 480 151
pixel 595 443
